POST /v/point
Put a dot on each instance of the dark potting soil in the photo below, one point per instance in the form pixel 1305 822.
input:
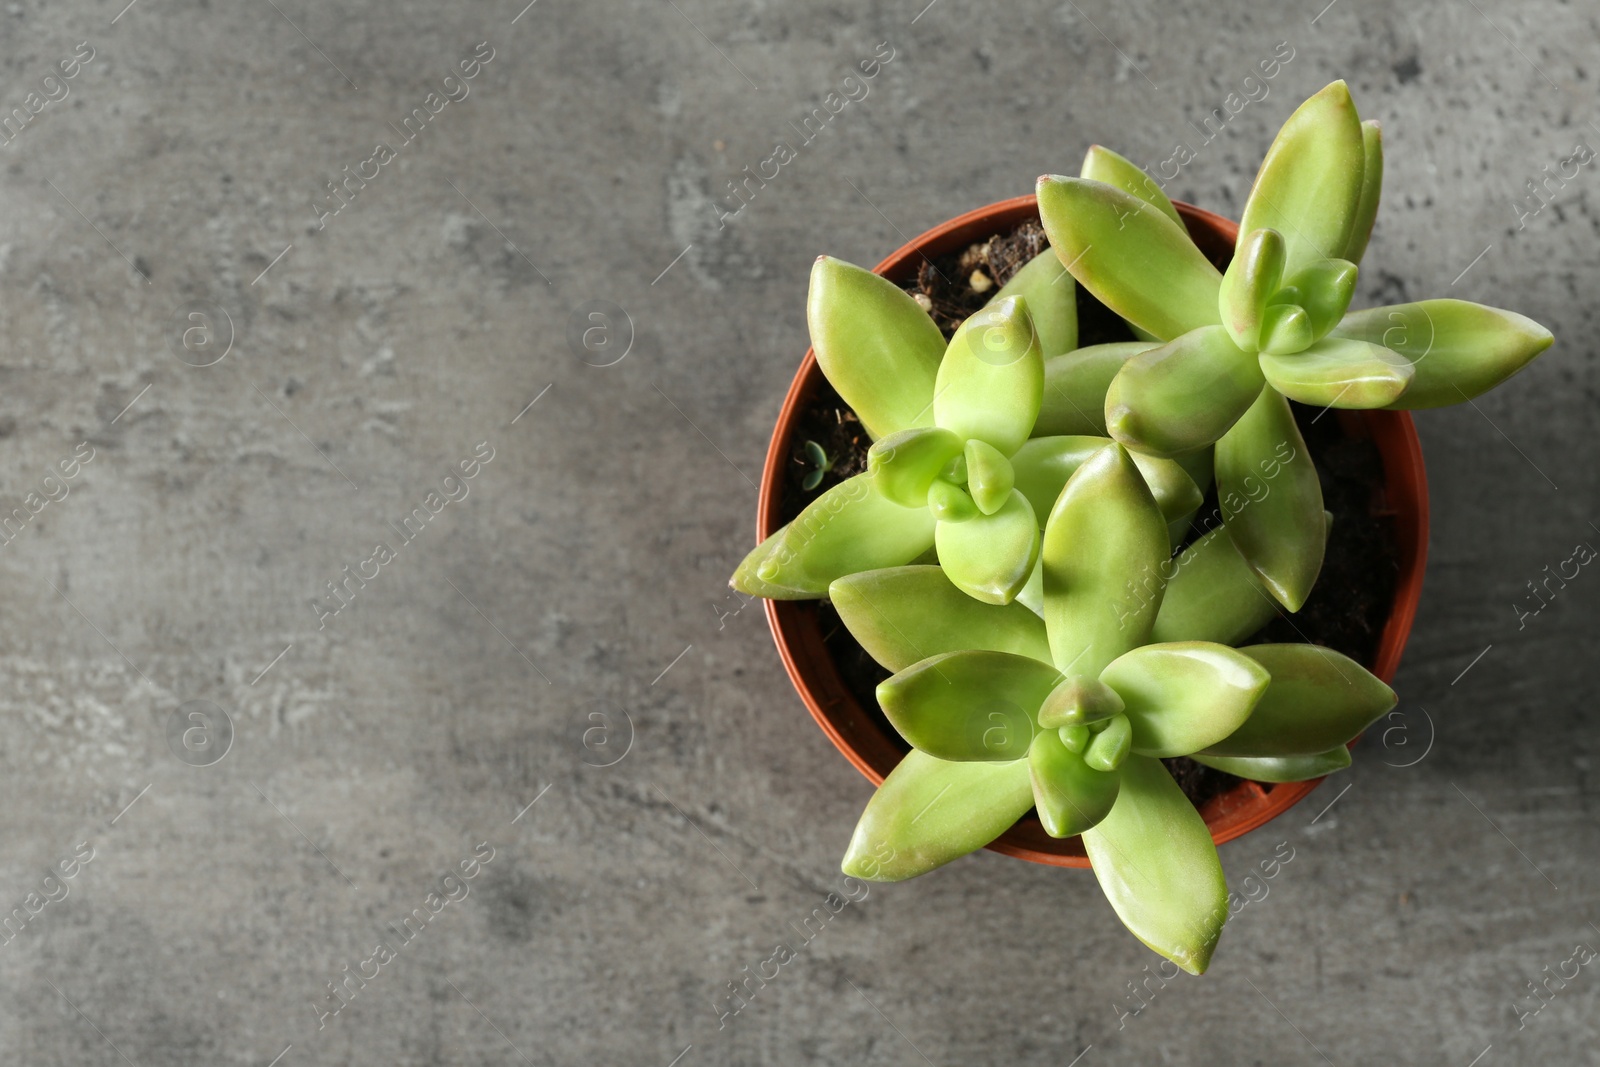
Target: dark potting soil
pixel 944 285
pixel 1346 609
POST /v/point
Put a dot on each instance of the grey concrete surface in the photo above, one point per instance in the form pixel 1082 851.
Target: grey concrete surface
pixel 571 611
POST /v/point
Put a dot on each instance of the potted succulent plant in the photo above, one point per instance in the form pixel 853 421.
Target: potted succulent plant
pixel 1022 548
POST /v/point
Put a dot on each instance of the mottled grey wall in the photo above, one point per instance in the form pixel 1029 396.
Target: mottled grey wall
pixel 373 350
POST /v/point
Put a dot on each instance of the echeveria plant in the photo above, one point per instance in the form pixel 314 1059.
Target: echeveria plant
pixel 952 467
pixel 1070 711
pixel 1276 324
pixel 1009 552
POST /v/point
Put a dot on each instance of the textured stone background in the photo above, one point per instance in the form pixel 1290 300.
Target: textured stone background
pixel 591 553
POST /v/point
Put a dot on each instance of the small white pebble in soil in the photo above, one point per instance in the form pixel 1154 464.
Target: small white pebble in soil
pixel 923 301
pixel 980 282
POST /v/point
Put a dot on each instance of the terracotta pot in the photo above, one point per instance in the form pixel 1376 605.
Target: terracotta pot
pixel 868 742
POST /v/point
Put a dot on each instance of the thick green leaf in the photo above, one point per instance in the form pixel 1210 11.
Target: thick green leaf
pixel 1052 299
pixel 1309 184
pixel 1317 700
pixel 991 556
pixel 1325 287
pixel 930 811
pixel 850 528
pixel 901 615
pixel 1075 385
pixel 1271 499
pixel 765 557
pixel 969 705
pixel 1109 744
pixel 1156 863
pixel 992 377
pixel 1100 164
pixel 1252 277
pixel 1458 349
pixel 951 503
pixel 1044 465
pixel 1135 259
pixel 1183 395
pixel 1279 768
pixel 990 477
pixel 1078 701
pixel 1212 595
pixel 1104 546
pixel 878 348
pixel 1183 696
pixel 1341 373
pixel 1371 191
pixel 1285 329
pixel 903 465
pixel 1071 796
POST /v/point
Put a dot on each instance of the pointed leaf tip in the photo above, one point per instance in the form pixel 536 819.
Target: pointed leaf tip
pixel 1317 700
pixel 875 344
pixel 1309 185
pixel 930 811
pixel 1136 260
pixel 1157 865
pixel 902 615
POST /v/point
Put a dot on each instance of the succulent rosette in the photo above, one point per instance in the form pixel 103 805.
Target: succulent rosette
pixel 1021 551
pixel 1070 711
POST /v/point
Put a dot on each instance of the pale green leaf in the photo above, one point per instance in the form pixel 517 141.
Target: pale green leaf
pixel 1325 287
pixel 1278 768
pixel 1371 191
pixel 969 705
pixel 1253 276
pixel 1071 796
pixel 990 476
pixel 992 377
pixel 1052 299
pixel 878 348
pixel 1212 595
pixel 1044 465
pixel 1104 546
pixel 1075 385
pixel 1285 329
pixel 1340 372
pixel 1318 700
pixel 1078 701
pixel 1183 395
pixel 1135 259
pixel 1458 349
pixel 1183 696
pixel 1271 499
pixel 1156 863
pixel 903 465
pixel 1100 164
pixel 1309 184
pixel 930 811
pixel 901 615
pixel 991 556
pixel 850 528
